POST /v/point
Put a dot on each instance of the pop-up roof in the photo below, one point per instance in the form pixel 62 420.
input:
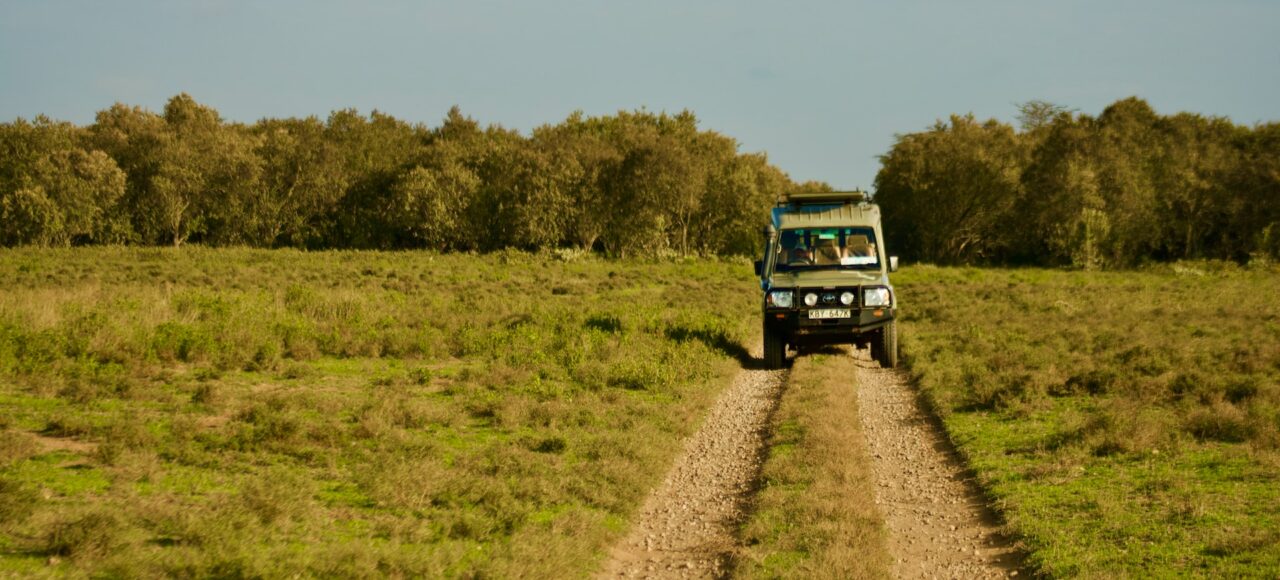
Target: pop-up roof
pixel 824 198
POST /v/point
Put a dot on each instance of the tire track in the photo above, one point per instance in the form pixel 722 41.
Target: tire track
pixel 939 525
pixel 686 527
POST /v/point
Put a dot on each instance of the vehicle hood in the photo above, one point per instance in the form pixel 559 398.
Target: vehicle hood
pixel 826 278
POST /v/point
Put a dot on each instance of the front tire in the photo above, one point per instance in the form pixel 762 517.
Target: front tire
pixel 775 350
pixel 885 347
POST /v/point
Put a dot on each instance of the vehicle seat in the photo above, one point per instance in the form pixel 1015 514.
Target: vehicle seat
pixel 861 247
pixel 827 252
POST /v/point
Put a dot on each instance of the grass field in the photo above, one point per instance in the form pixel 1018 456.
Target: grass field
pixel 1126 423
pixel 269 413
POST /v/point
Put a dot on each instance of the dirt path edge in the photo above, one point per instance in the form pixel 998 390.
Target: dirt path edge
pixel 687 527
pixel 940 525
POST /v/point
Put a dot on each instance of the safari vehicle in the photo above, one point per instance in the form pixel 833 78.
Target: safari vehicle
pixel 825 277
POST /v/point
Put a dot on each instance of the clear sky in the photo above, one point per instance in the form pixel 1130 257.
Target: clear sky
pixel 822 87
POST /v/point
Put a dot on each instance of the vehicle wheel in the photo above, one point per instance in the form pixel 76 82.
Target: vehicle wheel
pixel 775 350
pixel 885 348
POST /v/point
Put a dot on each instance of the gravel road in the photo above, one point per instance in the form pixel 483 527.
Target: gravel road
pixel 939 526
pixel 686 527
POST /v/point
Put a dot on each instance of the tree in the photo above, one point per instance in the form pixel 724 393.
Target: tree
pixel 628 183
pixel 373 152
pixel 430 202
pixel 53 191
pixel 1063 202
pixel 1197 156
pixel 302 181
pixel 1037 115
pixel 588 157
pixel 947 193
pixel 1256 215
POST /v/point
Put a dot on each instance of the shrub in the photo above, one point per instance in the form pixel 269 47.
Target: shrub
pixel 276 494
pixel 17 500
pixel 87 537
pixel 1221 421
pixel 1092 382
pixel 182 342
pixel 15 446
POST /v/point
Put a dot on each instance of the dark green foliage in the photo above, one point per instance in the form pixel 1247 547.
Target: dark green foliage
pixel 1116 190
pixel 631 183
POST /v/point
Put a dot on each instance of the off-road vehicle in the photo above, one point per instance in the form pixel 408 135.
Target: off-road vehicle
pixel 825 277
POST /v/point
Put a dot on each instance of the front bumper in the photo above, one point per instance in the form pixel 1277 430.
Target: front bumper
pixel 797 327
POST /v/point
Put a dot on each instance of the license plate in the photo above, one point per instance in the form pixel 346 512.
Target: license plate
pixel 829 313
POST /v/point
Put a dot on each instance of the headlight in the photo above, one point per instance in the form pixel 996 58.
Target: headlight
pixel 780 298
pixel 846 298
pixel 876 297
pixel 810 299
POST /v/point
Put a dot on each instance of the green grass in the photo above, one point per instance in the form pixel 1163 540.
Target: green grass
pixel 815 514
pixel 1125 423
pixel 270 413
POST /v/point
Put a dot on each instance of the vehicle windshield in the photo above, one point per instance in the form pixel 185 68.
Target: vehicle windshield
pixel 827 249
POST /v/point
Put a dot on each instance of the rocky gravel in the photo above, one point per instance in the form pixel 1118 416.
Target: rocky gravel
pixel 686 527
pixel 939 525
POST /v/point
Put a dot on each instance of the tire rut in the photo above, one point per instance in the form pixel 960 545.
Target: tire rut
pixel 939 525
pixel 687 526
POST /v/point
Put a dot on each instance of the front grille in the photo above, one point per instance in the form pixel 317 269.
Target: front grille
pixel 827 298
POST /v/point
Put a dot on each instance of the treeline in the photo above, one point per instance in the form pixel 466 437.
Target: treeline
pixel 1119 189
pixel 627 184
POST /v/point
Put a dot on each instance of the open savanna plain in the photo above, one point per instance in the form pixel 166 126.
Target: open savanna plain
pixel 242 413
pixel 270 413
pixel 1125 423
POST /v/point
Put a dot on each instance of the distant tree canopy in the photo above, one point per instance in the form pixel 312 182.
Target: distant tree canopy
pixel 627 184
pixel 1069 189
pixel 1115 190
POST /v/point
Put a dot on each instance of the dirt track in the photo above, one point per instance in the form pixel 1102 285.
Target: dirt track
pixel 938 525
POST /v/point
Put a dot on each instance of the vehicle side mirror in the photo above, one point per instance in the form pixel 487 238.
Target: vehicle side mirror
pixel 893 263
pixel 759 267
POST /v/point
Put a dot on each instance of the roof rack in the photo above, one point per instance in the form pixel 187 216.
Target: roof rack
pixel 823 198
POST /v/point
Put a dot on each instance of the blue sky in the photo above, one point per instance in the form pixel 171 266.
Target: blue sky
pixel 822 87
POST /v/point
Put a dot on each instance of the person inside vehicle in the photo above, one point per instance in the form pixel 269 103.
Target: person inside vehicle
pixel 799 254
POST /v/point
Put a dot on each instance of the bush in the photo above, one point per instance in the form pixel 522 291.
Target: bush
pixel 15 446
pixel 91 536
pixel 1221 421
pixel 17 500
